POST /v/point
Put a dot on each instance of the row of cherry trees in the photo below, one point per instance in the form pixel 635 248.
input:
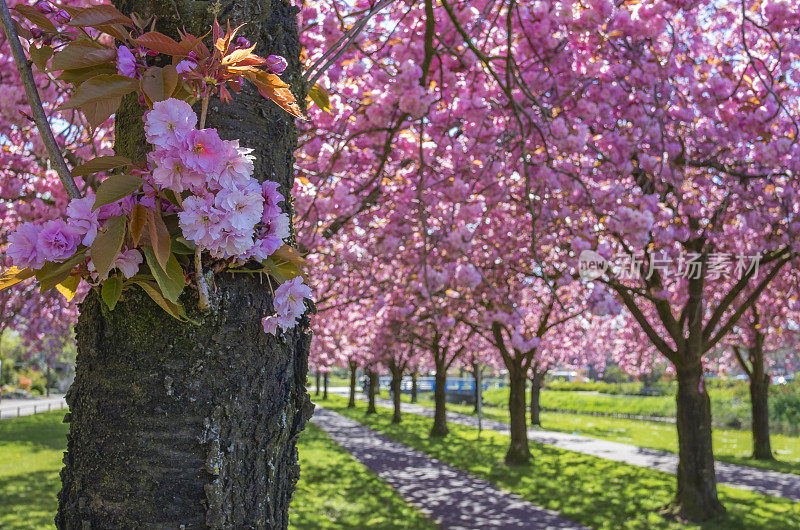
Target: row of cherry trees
pixel 472 150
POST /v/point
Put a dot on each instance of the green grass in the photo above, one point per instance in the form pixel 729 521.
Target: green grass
pixel 593 491
pixel 334 490
pixel 732 446
pixel 730 404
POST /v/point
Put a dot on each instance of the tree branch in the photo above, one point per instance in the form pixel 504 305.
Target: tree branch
pixel 39 117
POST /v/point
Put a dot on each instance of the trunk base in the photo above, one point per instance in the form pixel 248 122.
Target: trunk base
pixel 517 456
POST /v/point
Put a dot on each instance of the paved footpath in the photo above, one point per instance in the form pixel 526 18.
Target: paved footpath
pixel 11 408
pixel 762 481
pixel 449 496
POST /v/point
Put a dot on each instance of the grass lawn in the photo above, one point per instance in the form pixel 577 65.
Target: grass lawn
pixel 334 490
pixel 589 490
pixel 729 445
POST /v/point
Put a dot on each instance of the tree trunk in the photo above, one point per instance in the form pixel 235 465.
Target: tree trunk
pixel 372 390
pixel 759 404
pixel 397 381
pixel 353 375
pixel 537 381
pixel 696 498
pixel 414 387
pixel 439 427
pixel 325 388
pixel 477 394
pixel 176 425
pixel 518 450
pixel 319 376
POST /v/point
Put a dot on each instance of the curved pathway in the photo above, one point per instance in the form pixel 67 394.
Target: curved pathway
pixel 451 497
pixel 762 481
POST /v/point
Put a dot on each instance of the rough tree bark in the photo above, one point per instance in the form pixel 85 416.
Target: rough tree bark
pixel 325 387
pixel 696 496
pixel 476 390
pixel 351 403
pixel 414 387
pixel 319 382
pixel 518 450
pixel 397 383
pixel 759 401
pixel 372 390
pixel 439 427
pixel 177 425
pixel 537 382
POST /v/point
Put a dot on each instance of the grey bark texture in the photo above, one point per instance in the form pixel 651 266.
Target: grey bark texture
pixel 176 425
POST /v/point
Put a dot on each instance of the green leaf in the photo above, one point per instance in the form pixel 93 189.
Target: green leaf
pixel 39 56
pixel 107 244
pixel 111 291
pixel 100 96
pixel 69 287
pixel 170 279
pixel 83 53
pixel 51 274
pixel 101 163
pixel 114 188
pixel 320 97
pixel 175 309
pixel 79 75
pixel 183 246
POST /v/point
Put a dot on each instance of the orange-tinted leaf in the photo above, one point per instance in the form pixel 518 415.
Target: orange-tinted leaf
pixel 244 54
pixel 98 111
pixel 138 220
pixel 158 42
pixel 13 276
pixel 36 17
pixel 82 53
pixel 99 15
pixel 159 237
pixel 159 83
pixel 117 31
pixel 271 86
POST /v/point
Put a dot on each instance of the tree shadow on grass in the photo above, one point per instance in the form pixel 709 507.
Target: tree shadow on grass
pixel 593 491
pixel 39 431
pixel 28 500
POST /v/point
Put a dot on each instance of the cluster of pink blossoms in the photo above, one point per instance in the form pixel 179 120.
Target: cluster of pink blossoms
pixel 289 305
pixel 228 212
pixel 57 240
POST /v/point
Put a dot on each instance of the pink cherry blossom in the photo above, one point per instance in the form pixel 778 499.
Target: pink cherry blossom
pixel 128 262
pixel 57 240
pixel 81 217
pixel 204 151
pixel 169 123
pixel 23 247
pixel 126 62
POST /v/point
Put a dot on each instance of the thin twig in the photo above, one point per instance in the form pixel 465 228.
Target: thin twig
pixel 348 38
pixel 39 117
pixel 202 286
